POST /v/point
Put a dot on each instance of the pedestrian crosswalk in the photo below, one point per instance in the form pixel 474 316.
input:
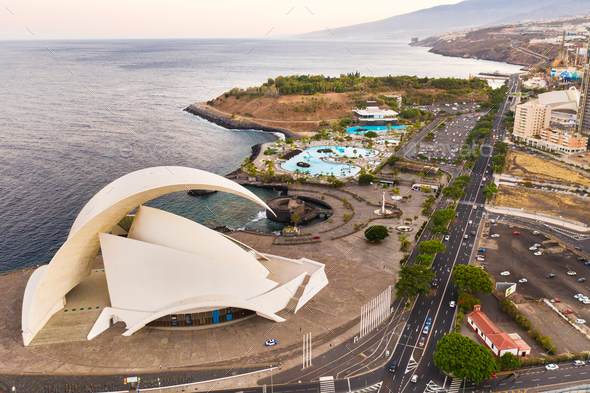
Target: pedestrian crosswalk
pixel 327 384
pixel 455 385
pixel 371 389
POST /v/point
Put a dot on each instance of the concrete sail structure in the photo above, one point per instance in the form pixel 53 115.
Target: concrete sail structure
pixel 166 264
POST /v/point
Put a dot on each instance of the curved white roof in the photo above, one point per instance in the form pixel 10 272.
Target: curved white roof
pixel 73 262
pixel 561 99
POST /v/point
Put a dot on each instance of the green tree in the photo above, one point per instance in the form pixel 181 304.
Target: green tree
pixel 424 259
pixel 443 217
pixel 490 190
pixel 295 218
pixel 439 230
pixel 465 178
pixel 501 147
pixel 431 247
pixel 472 279
pixel 371 134
pixel 499 160
pixel 464 358
pixel 376 233
pixel 366 178
pixel 414 280
pixel 455 193
pixel 509 361
pixel 496 168
pixel 467 301
pixel 392 160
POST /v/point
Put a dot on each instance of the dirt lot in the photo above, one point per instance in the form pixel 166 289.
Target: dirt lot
pixel 510 253
pixel 529 166
pixel 552 203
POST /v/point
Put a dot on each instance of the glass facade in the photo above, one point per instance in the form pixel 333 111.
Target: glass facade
pixel 202 318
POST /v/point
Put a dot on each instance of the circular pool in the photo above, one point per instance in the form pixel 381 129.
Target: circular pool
pixel 314 157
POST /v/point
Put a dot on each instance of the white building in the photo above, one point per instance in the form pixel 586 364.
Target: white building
pixel 374 113
pixel 166 270
pixel 499 342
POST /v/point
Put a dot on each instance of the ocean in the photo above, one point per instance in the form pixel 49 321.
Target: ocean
pixel 76 115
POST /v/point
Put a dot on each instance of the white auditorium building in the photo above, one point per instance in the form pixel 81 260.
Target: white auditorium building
pixel 166 270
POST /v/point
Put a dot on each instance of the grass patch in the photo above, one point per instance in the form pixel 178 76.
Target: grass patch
pixel 529 166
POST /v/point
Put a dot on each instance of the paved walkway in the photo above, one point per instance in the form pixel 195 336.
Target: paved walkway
pixel 537 217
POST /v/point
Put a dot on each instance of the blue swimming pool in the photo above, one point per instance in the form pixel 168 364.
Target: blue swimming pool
pixel 313 157
pixel 355 130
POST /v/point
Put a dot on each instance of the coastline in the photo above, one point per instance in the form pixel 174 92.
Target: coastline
pixel 232 124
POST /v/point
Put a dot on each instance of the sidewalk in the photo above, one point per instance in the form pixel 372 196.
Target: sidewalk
pixel 537 217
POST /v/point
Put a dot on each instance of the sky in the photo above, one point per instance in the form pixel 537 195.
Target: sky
pixel 116 19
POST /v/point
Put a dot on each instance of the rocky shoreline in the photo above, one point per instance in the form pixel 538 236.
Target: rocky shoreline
pixel 237 125
pixel 232 124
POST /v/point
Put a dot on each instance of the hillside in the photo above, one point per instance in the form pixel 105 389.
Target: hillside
pixel 306 103
pixel 464 15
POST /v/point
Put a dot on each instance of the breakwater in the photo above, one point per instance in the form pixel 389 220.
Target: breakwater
pixel 233 124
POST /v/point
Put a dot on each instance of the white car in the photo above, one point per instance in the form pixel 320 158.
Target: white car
pixel 536 245
pixel 447 238
pixel 579 295
pixel 571 273
pixel 414 378
pixel 505 273
pixel 551 367
pixel 470 222
pixel 452 303
pixel 586 301
pixel 465 237
pixel 495 235
pixel 523 280
pixel 579 363
pixel 533 248
pixel 579 320
pixel 479 259
pixel 538 253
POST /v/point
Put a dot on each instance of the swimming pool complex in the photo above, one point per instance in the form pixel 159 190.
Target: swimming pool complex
pixel 355 130
pixel 313 157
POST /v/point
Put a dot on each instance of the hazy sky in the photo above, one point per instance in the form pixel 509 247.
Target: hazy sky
pixel 83 19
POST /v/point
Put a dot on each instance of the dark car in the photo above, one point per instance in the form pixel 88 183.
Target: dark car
pixel 578 248
pixel 581 259
pixel 472 233
pixel 434 283
pixel 550 275
pixel 392 367
pixel 581 279
pixel 422 341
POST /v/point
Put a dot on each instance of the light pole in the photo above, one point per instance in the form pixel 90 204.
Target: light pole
pixel 271 387
pixel 160 385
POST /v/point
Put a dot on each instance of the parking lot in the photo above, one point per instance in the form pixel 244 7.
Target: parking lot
pixel 510 253
pixel 447 141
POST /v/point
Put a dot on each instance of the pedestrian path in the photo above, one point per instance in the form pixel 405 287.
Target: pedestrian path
pixel 455 385
pixel 327 384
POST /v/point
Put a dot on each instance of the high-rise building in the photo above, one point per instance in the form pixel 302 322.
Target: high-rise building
pixel 583 119
pixel 530 118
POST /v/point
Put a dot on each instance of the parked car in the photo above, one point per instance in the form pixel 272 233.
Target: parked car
pixel 470 222
pixel 555 300
pixel 587 263
pixel 550 275
pixel 581 259
pixel 271 342
pixel 523 280
pixel 578 248
pixel 538 253
pixel 571 273
pixel 580 320
pixel 516 233
pixel 532 248
pixel 505 273
pixel 551 367
pixel 579 295
pixel 568 311
pixel 481 250
pixel 582 279
pixel 495 235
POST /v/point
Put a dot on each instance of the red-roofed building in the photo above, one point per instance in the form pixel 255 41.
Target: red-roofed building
pixel 499 342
